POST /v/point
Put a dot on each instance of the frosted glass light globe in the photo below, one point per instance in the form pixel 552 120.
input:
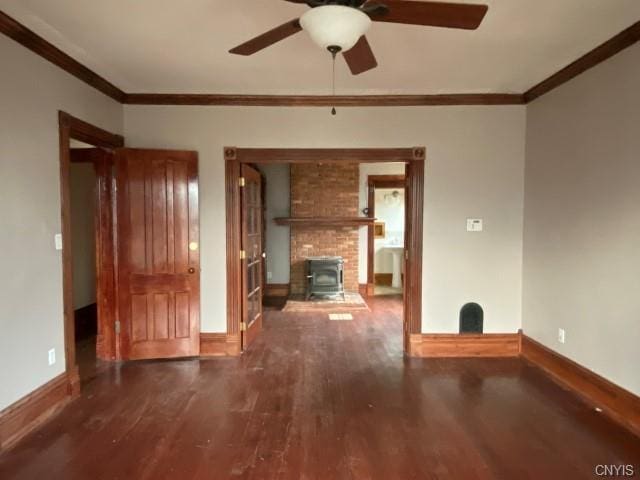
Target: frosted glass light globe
pixel 335 26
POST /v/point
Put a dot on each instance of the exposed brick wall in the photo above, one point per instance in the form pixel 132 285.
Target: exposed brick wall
pixel 328 190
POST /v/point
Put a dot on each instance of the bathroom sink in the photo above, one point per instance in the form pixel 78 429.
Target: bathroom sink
pixel 396 251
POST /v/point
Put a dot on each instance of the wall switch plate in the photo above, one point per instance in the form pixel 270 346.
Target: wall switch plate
pixel 269 275
pixel 561 335
pixel 474 224
pixel 57 240
pixel 52 356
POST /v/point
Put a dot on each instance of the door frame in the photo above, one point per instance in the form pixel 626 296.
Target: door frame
pixel 373 182
pixel 252 328
pixel 413 158
pixel 70 127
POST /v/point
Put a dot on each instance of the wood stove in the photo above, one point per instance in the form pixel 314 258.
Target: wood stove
pixel 325 276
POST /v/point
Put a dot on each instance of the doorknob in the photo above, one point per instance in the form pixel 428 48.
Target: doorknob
pixel 192 270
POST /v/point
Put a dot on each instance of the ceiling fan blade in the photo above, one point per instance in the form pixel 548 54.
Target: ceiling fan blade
pixel 435 14
pixel 374 8
pixel 317 3
pixel 268 38
pixel 360 58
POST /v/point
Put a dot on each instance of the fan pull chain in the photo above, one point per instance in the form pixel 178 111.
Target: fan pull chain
pixel 333 81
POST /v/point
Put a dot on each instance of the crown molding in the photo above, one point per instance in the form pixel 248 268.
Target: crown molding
pixel 324 100
pixel 603 52
pixel 34 42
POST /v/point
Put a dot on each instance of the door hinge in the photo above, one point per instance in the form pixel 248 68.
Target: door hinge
pixel 406 254
pixel 241 181
pixel 117 326
pixel 243 254
pixel 243 327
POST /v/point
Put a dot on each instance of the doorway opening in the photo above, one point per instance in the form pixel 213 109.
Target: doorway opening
pixel 386 236
pixel 147 260
pixel 242 257
pixel 83 207
pixel 88 245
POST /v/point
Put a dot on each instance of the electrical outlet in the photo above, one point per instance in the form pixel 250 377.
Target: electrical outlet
pixel 52 356
pixel 561 335
pixel 269 275
pixel 57 241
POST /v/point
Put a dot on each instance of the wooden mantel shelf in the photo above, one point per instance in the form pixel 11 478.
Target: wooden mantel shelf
pixel 325 221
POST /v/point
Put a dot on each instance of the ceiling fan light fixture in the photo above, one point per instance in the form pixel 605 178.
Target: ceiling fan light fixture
pixel 335 26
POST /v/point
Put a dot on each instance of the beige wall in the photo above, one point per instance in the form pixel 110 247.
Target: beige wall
pixel 31 92
pixel 82 181
pixel 475 162
pixel 582 219
pixel 581 222
pixel 278 205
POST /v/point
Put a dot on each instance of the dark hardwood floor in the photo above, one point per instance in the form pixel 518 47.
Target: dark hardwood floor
pixel 320 399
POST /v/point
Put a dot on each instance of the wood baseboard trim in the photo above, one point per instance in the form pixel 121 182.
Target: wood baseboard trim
pixel 617 403
pixel 385 279
pixel 31 411
pixel 219 345
pixel 371 289
pixel 446 345
pixel 276 290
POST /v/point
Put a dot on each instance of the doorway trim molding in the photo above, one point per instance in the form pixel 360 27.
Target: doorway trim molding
pixel 69 128
pixel 413 157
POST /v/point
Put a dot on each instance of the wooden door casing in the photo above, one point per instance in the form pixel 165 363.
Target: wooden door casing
pixel 252 245
pixel 414 158
pixel 158 253
pixel 103 160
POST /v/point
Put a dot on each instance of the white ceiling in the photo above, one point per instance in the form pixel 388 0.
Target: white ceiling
pixel 169 46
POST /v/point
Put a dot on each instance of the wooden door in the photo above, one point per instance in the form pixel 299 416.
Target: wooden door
pixel 252 263
pixel 158 253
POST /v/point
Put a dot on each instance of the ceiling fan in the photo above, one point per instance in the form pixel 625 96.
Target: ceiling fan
pixel 340 25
